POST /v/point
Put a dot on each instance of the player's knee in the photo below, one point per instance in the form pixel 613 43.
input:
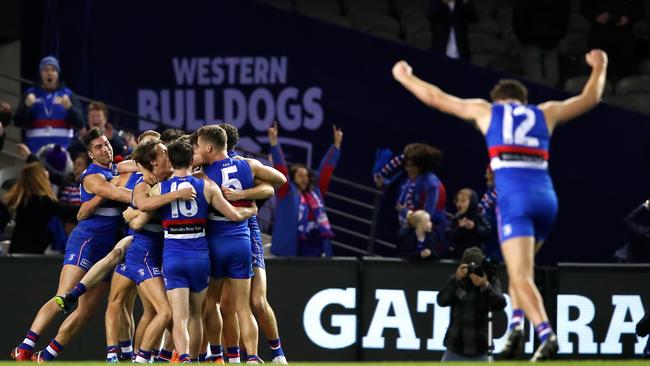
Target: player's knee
pixel 165 316
pixel 259 304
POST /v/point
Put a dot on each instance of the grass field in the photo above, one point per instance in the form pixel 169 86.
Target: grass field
pixel 577 363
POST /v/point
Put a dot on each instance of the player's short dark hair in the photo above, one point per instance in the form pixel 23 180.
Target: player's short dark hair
pixel 145 153
pixel 92 134
pixel 509 89
pixel 215 136
pixel 426 157
pixel 171 134
pixel 232 135
pixel 180 154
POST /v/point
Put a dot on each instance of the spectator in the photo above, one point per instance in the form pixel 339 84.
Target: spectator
pixel 70 195
pixel 98 117
pixel 5 118
pixel 34 204
pixel 49 112
pixel 421 190
pixel 56 175
pixel 642 330
pixel 637 249
pixel 449 23
pixel 488 208
pixel 612 31
pixel 301 226
pixel 467 228
pixel 540 25
pixel 471 292
pixel 417 243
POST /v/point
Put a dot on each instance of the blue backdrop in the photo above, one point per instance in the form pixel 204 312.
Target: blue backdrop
pixel 250 64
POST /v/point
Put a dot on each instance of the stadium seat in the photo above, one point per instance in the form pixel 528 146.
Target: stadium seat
pixel 621 101
pixel 337 19
pixel 322 6
pixel 644 67
pixel 633 85
pixel 415 22
pixel 506 64
pixel 483 59
pixel 482 43
pixel 352 7
pixel 280 4
pixel 486 26
pixel 575 84
pixel 421 40
pixel 403 7
pixel 389 35
pixel 9 173
pixel 640 102
pixel 574 45
pixel 372 22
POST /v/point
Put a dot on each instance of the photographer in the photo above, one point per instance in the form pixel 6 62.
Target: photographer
pixel 471 292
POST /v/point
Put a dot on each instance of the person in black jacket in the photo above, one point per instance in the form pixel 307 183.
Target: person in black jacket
pixel 540 25
pixel 34 204
pixel 637 225
pixel 612 30
pixel 5 118
pixel 418 241
pixel 467 228
pixel 471 293
pixel 449 23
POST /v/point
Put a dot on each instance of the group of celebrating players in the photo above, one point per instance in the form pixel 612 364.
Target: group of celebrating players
pixel 192 213
pixel 193 252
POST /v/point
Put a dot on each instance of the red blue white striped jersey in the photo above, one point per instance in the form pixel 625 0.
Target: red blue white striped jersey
pixel 517 137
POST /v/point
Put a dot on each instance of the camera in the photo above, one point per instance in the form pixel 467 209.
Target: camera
pixel 475 269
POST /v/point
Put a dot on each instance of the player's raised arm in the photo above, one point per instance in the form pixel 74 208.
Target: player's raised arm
pixel 477 110
pixel 557 112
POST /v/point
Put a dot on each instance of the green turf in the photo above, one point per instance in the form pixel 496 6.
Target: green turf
pixel 579 363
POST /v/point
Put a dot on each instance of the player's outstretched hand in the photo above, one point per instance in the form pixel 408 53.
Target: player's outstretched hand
pixel 596 58
pixel 401 70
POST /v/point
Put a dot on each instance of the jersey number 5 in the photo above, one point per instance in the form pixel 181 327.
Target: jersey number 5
pixel 227 181
pixel 518 136
pixel 182 205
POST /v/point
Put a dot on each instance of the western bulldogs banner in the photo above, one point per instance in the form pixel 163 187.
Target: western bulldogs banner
pixel 249 64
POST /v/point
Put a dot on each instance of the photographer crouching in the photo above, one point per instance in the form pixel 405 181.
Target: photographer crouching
pixel 472 292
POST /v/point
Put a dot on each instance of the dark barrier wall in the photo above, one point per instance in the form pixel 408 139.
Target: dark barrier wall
pixel 249 64
pixel 348 309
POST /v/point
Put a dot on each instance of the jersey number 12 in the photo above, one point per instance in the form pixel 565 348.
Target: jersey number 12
pixel 519 135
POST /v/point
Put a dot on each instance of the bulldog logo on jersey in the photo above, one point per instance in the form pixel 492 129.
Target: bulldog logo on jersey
pixel 141 272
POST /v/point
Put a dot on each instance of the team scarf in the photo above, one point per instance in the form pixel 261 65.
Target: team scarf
pixel 311 203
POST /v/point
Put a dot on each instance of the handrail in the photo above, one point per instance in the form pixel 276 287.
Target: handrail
pixel 349 200
pixel 347 215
